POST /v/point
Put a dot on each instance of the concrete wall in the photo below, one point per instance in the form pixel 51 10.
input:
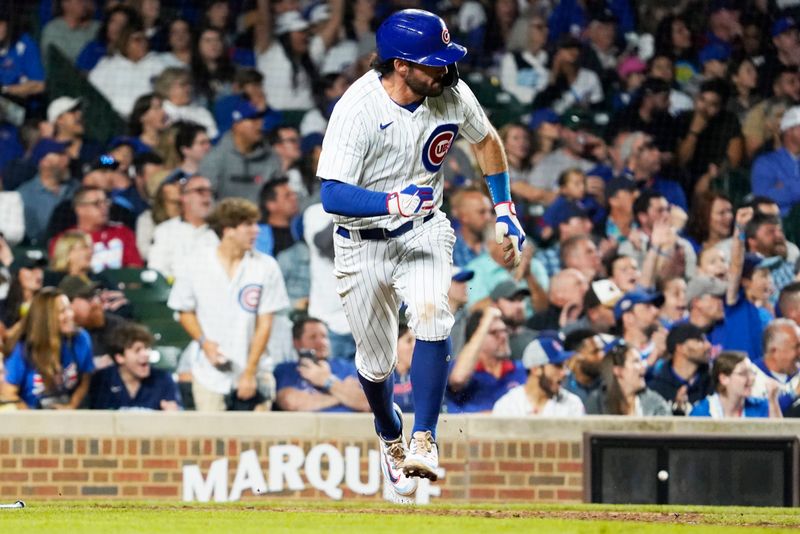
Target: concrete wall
pixel 141 455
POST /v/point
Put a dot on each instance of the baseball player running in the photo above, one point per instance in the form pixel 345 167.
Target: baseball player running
pixel 380 169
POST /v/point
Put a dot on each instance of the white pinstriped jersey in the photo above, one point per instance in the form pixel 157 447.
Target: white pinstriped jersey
pixel 374 143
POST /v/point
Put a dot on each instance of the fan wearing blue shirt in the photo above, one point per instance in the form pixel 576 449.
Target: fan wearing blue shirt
pixel 480 376
pixel 777 174
pixel 317 382
pixel 132 384
pixel 733 379
pixel 50 364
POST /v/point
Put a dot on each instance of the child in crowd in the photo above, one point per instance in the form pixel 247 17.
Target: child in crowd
pixel 571 188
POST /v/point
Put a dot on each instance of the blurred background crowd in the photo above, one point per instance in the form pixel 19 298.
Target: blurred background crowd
pixel 163 246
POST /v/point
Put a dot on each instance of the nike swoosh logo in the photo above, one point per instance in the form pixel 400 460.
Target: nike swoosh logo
pixel 384 126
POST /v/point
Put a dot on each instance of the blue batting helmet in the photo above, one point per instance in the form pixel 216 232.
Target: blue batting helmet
pixel 419 37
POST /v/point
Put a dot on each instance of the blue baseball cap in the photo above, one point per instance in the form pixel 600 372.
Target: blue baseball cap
pixel 781 25
pixel 462 275
pixel 632 298
pixel 546 349
pixel 565 211
pixel 753 262
pixel 541 116
pixel 244 110
pixel 47 146
pixel 714 51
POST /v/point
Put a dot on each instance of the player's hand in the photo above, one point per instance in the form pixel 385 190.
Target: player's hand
pixel 507 226
pixel 410 201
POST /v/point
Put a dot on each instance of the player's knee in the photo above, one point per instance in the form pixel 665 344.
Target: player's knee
pixel 432 321
pixel 376 367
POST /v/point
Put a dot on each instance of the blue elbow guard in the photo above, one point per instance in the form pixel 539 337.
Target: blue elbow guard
pixel 499 187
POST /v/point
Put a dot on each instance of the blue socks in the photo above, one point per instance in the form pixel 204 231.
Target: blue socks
pixel 380 396
pixel 429 370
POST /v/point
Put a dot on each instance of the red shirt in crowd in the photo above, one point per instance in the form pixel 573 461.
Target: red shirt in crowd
pixel 114 247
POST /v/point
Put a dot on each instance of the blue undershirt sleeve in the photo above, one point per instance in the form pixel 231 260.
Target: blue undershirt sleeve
pixel 349 200
pixel 499 187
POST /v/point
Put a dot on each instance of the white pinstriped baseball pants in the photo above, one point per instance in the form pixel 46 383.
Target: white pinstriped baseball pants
pixel 374 277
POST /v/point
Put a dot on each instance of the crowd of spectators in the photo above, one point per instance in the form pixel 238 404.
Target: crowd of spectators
pixel 654 162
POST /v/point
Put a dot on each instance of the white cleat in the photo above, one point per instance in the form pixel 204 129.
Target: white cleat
pixel 393 455
pixel 423 459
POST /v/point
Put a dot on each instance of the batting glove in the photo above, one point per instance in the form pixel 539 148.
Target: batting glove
pixel 507 225
pixel 410 201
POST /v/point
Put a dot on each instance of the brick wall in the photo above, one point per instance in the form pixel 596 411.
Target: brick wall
pixel 75 467
pixel 128 456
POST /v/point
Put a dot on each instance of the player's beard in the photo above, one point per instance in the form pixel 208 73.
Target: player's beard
pixel 436 87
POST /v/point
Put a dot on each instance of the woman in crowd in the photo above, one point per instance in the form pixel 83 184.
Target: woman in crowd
pixel 125 76
pixel 174 86
pixel 51 360
pixel 523 72
pixel 24 284
pixel 674 39
pixel 72 256
pixel 179 41
pixel 624 391
pixel 733 378
pixel 150 13
pixel 116 19
pixel 710 220
pixel 744 81
pixel 166 205
pixel 212 70
pixel 147 124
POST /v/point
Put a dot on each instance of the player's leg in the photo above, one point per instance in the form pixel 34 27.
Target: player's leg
pixel 423 280
pixel 364 273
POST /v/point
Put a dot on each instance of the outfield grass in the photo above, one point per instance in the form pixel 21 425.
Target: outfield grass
pixel 353 518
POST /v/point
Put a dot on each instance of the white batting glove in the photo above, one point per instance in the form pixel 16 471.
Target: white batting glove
pixel 507 225
pixel 410 201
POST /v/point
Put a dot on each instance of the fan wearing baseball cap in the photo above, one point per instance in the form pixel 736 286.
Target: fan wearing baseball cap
pixel 776 174
pixel 636 314
pixel 542 394
pixel 683 379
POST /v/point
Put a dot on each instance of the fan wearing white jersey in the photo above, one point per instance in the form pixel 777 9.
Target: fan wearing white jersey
pixel 381 169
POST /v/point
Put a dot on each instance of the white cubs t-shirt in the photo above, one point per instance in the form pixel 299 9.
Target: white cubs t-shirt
pixel 227 308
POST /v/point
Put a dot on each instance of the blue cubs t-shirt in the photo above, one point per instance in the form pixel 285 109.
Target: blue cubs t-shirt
pixel 76 360
pixel 287 376
pixel 483 390
pixel 753 407
pixel 108 392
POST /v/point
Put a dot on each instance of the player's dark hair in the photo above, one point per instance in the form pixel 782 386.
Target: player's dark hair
pixel 268 194
pixel 124 336
pixel 300 325
pixel 185 134
pixel 383 67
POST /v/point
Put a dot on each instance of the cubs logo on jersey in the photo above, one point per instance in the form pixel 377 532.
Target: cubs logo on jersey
pixel 437 146
pixel 249 297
